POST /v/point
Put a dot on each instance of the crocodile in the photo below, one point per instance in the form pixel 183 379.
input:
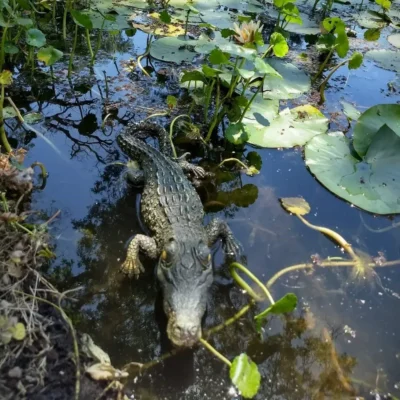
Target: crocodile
pixel 172 211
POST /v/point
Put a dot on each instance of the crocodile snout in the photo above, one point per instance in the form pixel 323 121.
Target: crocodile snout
pixel 184 333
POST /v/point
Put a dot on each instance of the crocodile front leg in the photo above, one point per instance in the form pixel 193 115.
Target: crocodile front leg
pixel 219 229
pixel 132 265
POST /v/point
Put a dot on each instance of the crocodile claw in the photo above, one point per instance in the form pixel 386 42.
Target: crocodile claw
pixel 233 249
pixel 132 267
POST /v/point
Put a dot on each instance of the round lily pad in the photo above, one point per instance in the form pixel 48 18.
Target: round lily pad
pixel 387 59
pixel 293 127
pixel 173 49
pixel 372 183
pixel 371 121
pixel 394 40
pixel 295 205
pixel 293 83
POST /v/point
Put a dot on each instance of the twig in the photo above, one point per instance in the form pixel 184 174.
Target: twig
pixel 51 219
pixel 74 338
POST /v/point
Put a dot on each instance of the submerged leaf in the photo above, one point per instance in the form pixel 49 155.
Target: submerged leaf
pixel 236 134
pixel 5 77
pixel 245 376
pixel 387 59
pixel 94 351
pixel 105 372
pixel 18 331
pixel 295 205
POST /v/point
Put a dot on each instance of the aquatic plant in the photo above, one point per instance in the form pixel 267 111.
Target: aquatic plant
pixel 288 13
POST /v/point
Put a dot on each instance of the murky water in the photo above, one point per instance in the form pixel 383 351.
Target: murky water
pixel 99 215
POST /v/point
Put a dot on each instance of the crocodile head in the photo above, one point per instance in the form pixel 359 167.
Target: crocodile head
pixel 185 274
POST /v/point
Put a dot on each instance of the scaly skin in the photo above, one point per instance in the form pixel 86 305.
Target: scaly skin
pixel 172 210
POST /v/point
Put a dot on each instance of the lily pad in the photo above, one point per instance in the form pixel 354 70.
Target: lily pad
pixel 35 38
pixel 394 40
pixel 293 84
pixel 387 59
pixel 293 127
pixel 372 183
pixel 245 376
pixel 295 205
pixel 366 20
pixel 173 49
pixel 49 55
pixel 33 118
pixel 371 121
pixel 350 111
pixel 9 112
pixel 220 19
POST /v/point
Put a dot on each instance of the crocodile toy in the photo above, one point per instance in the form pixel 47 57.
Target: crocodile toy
pixel 172 211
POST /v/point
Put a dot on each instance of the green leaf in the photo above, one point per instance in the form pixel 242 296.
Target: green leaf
pixel 245 376
pixel 24 22
pixel 258 38
pixel 290 128
pixel 355 60
pixel 9 112
pixel 241 101
pixel 342 44
pixel 281 47
pixel 33 118
pixel 5 77
pixel 173 49
pixel 394 40
pixel 334 25
pixel 372 184
pixel 292 14
pixel 82 19
pixel 254 159
pixel 245 73
pixel 350 111
pixel 35 37
pixel 236 134
pixel 192 9
pixel 49 55
pixel 373 34
pixel 10 48
pixel 284 305
pixel 18 331
pixel 294 83
pixel 244 18
pixel 210 72
pixel 225 33
pixel 386 4
pixel 281 3
pixel 326 41
pixel 130 32
pixel 387 59
pixel 264 68
pixel 371 121
pixel 165 17
pixel 218 57
pixel 193 76
pixel 171 101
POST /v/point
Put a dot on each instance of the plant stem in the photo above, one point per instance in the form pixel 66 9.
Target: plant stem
pixel 232 159
pixel 215 352
pixel 236 79
pixel 64 27
pixel 333 235
pixel 208 98
pixel 245 286
pixel 171 131
pixel 321 69
pixel 3 43
pixel 89 44
pixel 186 23
pixel 3 136
pixel 215 117
pixel 325 81
pixel 71 56
pixel 251 100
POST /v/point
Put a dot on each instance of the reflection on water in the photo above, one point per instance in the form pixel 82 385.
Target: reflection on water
pixel 99 215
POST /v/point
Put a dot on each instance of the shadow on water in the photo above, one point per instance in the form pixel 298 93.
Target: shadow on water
pixel 99 215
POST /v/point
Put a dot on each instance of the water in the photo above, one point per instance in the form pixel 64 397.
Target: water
pixel 99 215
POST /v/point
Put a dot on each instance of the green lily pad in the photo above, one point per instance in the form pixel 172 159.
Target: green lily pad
pixel 293 83
pixel 284 305
pixel 49 55
pixel 387 59
pixel 236 134
pixel 290 128
pixel 9 112
pixel 371 121
pixel 33 118
pixel 220 19
pixel 350 111
pixel 373 183
pixel 394 40
pixel 35 38
pixel 261 110
pixel 245 376
pixel 366 20
pixel 173 49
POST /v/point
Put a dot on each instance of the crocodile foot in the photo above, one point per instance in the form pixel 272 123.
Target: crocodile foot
pixel 132 267
pixel 233 248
